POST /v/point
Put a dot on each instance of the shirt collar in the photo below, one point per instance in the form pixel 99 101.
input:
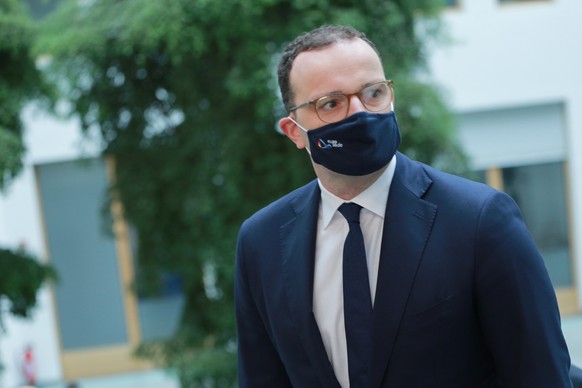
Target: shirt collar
pixel 372 199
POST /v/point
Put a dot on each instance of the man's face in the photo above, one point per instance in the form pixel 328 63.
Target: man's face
pixel 344 67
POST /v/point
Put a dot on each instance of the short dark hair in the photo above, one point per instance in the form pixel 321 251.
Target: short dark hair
pixel 320 37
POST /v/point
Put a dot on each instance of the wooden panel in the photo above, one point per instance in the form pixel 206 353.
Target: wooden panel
pixel 125 259
pixel 101 361
pixel 567 301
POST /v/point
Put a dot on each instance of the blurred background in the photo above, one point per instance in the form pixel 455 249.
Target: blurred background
pixel 137 135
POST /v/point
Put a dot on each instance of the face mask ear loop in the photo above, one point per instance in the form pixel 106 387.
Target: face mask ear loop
pixel 305 130
pixel 296 123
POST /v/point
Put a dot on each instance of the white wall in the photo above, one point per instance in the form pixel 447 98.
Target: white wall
pixel 512 54
pixel 47 139
pixel 519 55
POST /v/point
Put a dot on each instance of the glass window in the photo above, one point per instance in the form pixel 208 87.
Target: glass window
pixel 539 192
pixel 159 309
pixel 89 294
pixel 159 314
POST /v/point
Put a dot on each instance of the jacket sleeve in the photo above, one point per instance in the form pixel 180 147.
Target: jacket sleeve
pixel 259 364
pixel 517 306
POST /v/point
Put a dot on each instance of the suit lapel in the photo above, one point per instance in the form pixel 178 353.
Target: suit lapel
pixel 407 225
pixel 298 253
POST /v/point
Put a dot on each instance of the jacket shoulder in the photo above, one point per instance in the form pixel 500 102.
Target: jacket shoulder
pixel 282 209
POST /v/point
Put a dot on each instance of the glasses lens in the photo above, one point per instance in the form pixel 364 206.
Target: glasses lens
pixel 335 107
pixel 332 108
pixel 376 97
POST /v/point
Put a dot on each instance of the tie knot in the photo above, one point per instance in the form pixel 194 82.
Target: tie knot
pixel 351 212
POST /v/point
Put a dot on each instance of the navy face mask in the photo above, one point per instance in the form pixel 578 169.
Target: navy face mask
pixel 357 145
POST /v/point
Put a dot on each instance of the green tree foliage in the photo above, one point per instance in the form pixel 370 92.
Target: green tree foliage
pixel 185 97
pixel 20 279
pixel 20 81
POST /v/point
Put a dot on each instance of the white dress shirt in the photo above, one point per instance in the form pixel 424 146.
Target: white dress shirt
pixel 332 229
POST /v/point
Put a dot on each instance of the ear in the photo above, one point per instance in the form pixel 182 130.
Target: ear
pixel 293 132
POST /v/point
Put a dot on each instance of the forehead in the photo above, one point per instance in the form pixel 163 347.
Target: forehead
pixel 345 66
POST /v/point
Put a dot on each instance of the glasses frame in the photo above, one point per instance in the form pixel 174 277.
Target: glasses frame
pixel 313 102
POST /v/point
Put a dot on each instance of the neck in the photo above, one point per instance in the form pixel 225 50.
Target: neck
pixel 344 186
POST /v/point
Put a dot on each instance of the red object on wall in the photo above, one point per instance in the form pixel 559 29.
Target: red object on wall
pixel 28 367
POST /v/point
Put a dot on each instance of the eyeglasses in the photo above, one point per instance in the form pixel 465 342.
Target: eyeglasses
pixel 335 107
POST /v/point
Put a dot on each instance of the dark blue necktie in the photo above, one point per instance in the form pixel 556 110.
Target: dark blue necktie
pixel 357 299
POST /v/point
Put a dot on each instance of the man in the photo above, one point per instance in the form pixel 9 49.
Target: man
pixel 457 294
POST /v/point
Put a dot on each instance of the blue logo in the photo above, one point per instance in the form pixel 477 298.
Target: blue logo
pixel 329 144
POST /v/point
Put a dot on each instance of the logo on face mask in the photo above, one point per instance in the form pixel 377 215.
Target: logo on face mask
pixel 329 144
pixel 362 143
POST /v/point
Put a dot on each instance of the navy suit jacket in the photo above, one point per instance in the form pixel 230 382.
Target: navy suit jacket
pixel 463 297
